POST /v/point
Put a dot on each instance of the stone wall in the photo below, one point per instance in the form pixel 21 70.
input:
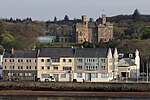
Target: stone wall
pixel 70 86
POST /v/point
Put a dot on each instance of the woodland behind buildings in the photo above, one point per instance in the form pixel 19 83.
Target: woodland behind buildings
pixel 131 32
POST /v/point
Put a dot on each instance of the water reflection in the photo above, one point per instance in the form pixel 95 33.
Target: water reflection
pixel 64 98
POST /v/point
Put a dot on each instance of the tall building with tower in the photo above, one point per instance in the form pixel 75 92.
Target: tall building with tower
pixel 92 31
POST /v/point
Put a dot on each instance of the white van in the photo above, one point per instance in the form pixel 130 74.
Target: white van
pixel 47 78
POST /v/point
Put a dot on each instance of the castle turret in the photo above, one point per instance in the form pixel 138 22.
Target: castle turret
pixel 84 20
pixel 103 19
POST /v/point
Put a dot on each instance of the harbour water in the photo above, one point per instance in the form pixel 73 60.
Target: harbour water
pixel 6 97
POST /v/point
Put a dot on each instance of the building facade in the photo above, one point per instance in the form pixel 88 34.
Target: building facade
pixel 129 65
pixel 93 32
pixel 80 64
pixel 69 64
pixel 57 63
pixel 20 65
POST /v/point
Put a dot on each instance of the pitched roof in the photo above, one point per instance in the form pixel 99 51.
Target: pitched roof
pixel 91 52
pixel 126 62
pixel 56 52
pixel 21 54
pixel 71 52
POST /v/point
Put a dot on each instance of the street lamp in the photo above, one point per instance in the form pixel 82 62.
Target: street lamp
pixel 147 71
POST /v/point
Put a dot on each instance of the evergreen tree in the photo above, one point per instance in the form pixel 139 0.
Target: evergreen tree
pixel 55 19
pixel 136 15
pixel 66 18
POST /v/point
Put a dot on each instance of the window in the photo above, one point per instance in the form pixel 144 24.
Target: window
pixel 55 68
pixel 27 60
pixel 94 75
pixel 104 76
pixel 35 67
pixel 20 74
pixel 55 60
pixel 21 60
pixel 48 60
pixel 103 60
pixel 5 67
pixel 45 75
pixel 79 60
pixel 18 67
pixel 10 74
pixel 13 67
pixel 79 75
pixel 42 67
pixel 9 60
pixel 35 60
pixel 130 55
pixel 5 60
pixel 29 74
pixel 30 67
pixel 64 60
pixel 13 60
pixel 30 60
pixel 18 60
pixel 70 60
pixel 26 67
pixel 21 67
pixel 103 67
pixel 79 68
pixel 42 60
pixel 48 67
pixel 67 68
pixel 63 75
pixel 26 74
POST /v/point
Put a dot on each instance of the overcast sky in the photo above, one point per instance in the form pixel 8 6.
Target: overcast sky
pixel 48 9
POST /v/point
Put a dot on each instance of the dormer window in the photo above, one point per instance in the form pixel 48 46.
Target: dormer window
pixel 130 55
pixel 121 55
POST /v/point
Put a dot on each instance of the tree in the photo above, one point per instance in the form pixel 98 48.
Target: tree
pixel 66 18
pixel 146 32
pixel 136 15
pixel 55 19
pixel 91 20
pixel 118 33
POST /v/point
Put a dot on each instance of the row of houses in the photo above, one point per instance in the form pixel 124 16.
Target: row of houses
pixel 69 64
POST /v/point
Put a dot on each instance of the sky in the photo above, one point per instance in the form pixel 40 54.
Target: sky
pixel 47 9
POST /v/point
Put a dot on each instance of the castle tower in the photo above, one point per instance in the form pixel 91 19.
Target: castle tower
pixel 84 20
pixel 103 19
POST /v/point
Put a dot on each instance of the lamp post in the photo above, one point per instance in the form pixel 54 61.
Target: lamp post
pixel 147 70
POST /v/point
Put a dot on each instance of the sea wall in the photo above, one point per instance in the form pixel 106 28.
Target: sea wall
pixel 70 86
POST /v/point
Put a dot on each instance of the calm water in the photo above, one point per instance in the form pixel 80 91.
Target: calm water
pixel 64 98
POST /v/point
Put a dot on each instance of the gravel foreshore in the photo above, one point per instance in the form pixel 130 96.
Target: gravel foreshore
pixel 74 93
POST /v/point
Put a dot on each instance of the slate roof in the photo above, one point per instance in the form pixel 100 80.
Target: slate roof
pixel 127 62
pixel 21 54
pixel 56 52
pixel 91 52
pixel 72 52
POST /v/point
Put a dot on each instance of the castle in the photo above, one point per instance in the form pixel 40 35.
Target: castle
pixel 93 32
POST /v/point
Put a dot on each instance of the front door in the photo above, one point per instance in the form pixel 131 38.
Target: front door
pixel 88 76
pixel 56 76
